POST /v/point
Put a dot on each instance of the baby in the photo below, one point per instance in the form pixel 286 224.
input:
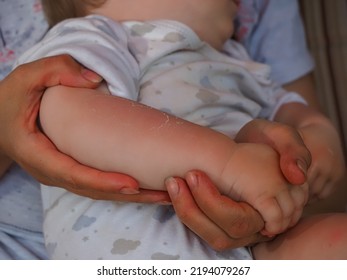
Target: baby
pixel 175 56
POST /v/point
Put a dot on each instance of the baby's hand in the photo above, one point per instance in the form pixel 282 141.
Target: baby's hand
pixel 253 175
pixel 328 165
pixel 295 158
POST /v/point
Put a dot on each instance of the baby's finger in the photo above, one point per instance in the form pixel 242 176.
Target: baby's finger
pixel 300 196
pixel 271 212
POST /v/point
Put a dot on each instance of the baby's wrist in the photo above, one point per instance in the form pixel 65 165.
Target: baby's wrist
pixel 237 163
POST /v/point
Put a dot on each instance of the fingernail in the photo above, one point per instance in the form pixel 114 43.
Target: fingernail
pixel 192 179
pixel 172 186
pixel 91 76
pixel 302 166
pixel 128 191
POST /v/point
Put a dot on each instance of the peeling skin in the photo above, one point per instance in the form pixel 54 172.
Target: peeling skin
pixel 167 121
pixel 134 104
pixel 167 118
pixel 137 104
pixel 164 124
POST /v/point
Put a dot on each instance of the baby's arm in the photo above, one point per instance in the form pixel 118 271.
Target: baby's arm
pixel 112 133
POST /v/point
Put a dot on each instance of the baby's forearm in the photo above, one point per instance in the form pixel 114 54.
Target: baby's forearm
pixel 115 134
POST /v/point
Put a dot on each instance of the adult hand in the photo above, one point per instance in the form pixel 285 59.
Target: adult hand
pixel 218 220
pixel 22 141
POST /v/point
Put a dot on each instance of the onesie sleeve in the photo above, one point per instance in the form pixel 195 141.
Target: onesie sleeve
pixel 99 44
pixel 273 33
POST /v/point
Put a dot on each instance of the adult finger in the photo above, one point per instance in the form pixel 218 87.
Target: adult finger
pixel 58 70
